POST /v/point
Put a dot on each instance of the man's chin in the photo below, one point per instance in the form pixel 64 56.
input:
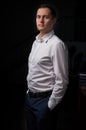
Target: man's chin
pixel 41 30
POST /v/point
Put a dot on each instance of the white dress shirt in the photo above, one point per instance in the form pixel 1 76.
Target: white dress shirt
pixel 48 67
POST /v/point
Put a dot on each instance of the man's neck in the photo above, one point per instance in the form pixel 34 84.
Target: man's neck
pixel 41 34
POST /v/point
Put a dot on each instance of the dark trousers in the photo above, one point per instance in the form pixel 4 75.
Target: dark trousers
pixel 38 115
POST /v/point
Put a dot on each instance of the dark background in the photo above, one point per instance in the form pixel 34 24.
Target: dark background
pixel 20 31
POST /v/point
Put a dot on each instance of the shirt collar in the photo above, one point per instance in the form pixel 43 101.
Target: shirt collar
pixel 45 38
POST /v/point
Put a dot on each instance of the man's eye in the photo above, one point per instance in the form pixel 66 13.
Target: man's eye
pixel 47 17
pixel 37 16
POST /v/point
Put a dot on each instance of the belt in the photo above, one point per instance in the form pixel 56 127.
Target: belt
pixel 40 94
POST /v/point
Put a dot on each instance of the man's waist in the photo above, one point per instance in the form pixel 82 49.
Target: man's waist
pixel 40 94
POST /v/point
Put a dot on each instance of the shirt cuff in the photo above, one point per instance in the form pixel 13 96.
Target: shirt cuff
pixel 51 104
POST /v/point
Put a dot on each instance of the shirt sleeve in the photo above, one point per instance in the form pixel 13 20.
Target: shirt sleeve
pixel 60 66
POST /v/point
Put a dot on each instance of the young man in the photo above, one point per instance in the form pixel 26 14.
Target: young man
pixel 47 77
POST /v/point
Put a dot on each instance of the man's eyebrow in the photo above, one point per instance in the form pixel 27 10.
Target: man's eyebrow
pixel 42 15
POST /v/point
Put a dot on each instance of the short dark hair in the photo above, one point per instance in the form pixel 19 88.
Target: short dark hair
pixel 51 7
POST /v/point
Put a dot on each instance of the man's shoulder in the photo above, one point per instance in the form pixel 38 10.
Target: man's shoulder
pixel 56 40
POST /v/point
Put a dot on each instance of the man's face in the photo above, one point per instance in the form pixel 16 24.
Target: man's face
pixel 44 20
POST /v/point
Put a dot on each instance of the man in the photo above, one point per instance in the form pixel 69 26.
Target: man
pixel 47 77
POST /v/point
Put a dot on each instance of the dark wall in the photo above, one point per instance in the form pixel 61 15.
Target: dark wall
pixel 20 31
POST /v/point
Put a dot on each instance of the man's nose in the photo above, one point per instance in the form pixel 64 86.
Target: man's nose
pixel 41 19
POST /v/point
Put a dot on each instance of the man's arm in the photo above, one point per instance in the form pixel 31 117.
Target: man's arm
pixel 60 65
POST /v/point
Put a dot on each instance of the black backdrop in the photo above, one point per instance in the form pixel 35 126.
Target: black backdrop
pixel 20 31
